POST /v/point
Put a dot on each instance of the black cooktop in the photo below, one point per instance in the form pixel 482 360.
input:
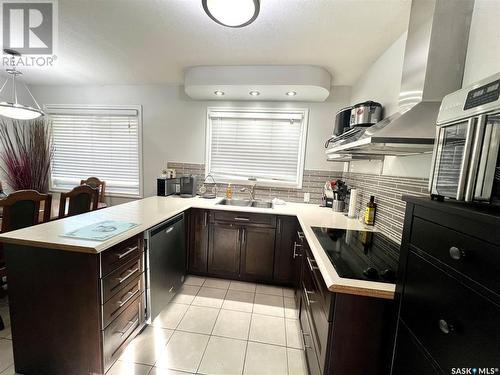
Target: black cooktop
pixel 360 255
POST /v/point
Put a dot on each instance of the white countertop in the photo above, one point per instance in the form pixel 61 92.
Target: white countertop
pixel 153 210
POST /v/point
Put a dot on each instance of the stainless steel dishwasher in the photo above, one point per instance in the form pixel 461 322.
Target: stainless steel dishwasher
pixel 165 262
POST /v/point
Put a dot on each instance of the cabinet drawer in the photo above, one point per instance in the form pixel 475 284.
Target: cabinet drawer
pixel 119 254
pixel 474 258
pixel 319 326
pixel 457 326
pixel 120 301
pixel 307 339
pixel 323 297
pixel 117 279
pixel 245 218
pixel 410 358
pixel 121 329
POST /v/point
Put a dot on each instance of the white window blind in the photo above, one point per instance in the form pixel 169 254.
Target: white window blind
pixel 266 145
pixel 99 142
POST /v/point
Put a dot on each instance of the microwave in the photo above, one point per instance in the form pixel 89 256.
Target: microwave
pixel 466 159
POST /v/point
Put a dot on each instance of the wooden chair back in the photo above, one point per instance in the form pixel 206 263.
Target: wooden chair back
pixel 21 209
pixel 96 183
pixel 81 199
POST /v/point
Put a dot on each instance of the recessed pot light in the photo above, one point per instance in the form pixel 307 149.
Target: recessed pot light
pixel 291 93
pixel 232 13
pixel 219 93
pixel 254 93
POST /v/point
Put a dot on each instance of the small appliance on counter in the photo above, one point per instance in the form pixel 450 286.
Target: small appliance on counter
pixel 466 159
pixel 365 114
pixel 188 186
pixel 167 186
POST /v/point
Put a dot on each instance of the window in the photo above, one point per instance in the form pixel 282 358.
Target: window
pixel 104 142
pixel 268 145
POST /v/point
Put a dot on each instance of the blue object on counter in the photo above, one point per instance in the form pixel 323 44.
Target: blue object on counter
pixel 101 231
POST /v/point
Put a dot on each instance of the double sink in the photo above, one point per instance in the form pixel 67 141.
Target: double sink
pixel 246 203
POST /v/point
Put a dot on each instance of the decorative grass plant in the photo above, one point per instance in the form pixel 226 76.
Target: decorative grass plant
pixel 26 154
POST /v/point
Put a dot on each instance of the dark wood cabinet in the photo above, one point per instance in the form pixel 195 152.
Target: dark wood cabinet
pixel 241 245
pixel 257 253
pixel 224 249
pixel 72 312
pixel 340 329
pixel 198 241
pixel 448 289
pixel 284 265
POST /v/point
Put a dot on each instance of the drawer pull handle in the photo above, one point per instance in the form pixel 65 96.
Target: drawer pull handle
pixel 306 295
pixel 295 247
pixel 445 327
pixel 128 297
pixel 127 252
pixel 456 253
pixel 129 325
pixel 311 267
pixel 130 272
pixel 303 334
pixel 242 218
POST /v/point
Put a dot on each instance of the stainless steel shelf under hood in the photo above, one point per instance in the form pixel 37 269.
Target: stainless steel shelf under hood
pixel 403 133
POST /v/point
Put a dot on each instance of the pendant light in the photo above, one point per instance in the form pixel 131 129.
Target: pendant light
pixel 14 109
pixel 232 13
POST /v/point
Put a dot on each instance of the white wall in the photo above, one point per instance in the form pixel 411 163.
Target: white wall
pixel 483 53
pixel 382 81
pixel 174 124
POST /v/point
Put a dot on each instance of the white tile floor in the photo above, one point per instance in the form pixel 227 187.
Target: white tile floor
pixel 213 326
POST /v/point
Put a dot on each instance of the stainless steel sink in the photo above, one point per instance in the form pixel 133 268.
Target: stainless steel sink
pixel 263 204
pixel 245 203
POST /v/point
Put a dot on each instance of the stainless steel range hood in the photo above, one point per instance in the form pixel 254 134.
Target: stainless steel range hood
pixel 434 60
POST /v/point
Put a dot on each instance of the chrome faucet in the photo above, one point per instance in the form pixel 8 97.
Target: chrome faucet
pixel 250 190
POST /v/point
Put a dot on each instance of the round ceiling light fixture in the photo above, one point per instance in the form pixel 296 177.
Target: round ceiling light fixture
pixel 291 93
pixel 232 13
pixel 254 93
pixel 219 93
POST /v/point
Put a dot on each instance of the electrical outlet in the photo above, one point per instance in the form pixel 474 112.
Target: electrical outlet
pixel 307 197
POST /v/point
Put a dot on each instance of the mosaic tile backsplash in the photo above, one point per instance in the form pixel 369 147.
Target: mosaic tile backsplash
pixel 387 190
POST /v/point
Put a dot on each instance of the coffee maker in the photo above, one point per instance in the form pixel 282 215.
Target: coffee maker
pixel 188 186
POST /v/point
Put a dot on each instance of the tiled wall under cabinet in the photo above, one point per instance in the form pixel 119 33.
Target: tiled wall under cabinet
pixel 387 190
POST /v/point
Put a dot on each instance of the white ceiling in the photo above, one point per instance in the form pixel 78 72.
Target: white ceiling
pixel 153 41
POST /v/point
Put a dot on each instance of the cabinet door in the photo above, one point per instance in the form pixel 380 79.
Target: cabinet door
pixel 257 253
pixel 198 244
pixel 286 229
pixel 224 250
pixel 409 358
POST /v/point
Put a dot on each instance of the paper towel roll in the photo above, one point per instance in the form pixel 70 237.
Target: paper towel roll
pixel 353 201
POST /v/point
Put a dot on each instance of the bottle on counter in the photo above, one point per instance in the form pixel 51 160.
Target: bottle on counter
pixel 229 192
pixel 370 210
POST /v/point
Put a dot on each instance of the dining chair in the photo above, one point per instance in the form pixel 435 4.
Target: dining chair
pixel 21 209
pixel 96 183
pixel 81 199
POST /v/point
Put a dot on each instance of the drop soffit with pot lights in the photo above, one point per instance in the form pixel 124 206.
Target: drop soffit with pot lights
pixel 14 109
pixel 258 82
pixel 232 13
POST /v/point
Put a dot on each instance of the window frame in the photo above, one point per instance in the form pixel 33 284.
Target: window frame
pixel 137 107
pixel 297 184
